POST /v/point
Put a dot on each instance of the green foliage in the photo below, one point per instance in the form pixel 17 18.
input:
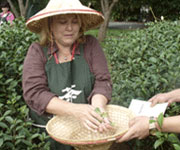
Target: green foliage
pixel 170 139
pixel 143 63
pixel 129 10
pixel 16 132
pixel 160 120
pixel 35 6
pixel 124 10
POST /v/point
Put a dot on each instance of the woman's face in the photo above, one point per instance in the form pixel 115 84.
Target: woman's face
pixel 5 9
pixel 65 29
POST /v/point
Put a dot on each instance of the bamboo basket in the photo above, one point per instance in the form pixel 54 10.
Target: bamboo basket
pixel 69 131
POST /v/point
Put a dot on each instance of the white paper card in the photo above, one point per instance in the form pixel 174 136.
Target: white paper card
pixel 143 108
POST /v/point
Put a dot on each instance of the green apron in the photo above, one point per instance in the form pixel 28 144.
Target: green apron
pixel 71 81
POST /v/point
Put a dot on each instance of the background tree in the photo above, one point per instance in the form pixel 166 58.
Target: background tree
pixel 117 10
pixel 22 8
pixel 21 11
pixel 106 6
pixel 26 8
pixel 129 10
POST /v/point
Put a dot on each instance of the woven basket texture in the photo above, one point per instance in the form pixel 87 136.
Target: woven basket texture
pixel 68 130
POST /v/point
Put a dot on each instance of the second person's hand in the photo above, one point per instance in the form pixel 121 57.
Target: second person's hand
pixel 138 128
pixel 161 98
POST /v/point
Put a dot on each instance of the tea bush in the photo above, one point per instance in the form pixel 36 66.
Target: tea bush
pixel 15 129
pixel 142 64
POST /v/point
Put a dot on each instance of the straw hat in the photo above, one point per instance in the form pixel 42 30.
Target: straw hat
pixel 89 16
pixel 69 131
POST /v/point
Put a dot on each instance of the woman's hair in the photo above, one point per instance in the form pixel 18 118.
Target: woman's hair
pixel 46 36
pixel 5 4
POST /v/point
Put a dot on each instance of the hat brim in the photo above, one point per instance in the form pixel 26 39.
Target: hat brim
pixel 90 18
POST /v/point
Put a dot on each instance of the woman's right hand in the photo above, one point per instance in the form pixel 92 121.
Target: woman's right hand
pixel 86 114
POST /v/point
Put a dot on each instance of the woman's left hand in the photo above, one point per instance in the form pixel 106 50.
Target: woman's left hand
pixel 106 123
pixel 99 101
pixel 138 128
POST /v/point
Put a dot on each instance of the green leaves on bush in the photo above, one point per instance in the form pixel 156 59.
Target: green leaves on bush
pixel 144 62
pixel 16 132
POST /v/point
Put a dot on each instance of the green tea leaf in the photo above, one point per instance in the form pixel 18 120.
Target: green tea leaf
pixel 1 141
pixel 3 125
pixel 112 124
pixel 97 110
pixel 160 120
pixel 9 119
pixel 151 121
pixel 104 115
pixel 158 143
pixel 173 138
pixel 176 146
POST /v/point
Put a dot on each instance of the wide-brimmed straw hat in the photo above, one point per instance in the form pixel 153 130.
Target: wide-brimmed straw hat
pixel 90 17
pixel 68 130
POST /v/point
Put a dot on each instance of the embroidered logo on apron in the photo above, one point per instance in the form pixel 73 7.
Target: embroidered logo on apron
pixel 70 93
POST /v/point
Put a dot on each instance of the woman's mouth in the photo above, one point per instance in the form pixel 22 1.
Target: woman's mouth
pixel 68 35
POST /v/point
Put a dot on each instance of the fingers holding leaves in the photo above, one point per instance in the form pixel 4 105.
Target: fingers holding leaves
pixel 86 115
pixel 94 119
pixel 105 123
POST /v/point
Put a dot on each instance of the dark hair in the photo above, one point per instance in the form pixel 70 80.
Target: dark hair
pixel 5 4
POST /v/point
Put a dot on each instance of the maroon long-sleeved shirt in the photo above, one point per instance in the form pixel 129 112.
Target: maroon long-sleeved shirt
pixel 35 87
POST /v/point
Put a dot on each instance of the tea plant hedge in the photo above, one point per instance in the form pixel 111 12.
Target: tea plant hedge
pixel 142 63
pixel 16 132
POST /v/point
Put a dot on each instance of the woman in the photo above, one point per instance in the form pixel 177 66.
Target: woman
pixel 139 127
pixel 66 72
pixel 6 15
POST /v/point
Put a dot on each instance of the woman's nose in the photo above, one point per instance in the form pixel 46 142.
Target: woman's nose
pixel 69 26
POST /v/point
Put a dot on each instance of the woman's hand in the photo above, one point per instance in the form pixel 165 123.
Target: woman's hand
pixel 85 113
pixel 99 101
pixel 106 123
pixel 87 116
pixel 138 128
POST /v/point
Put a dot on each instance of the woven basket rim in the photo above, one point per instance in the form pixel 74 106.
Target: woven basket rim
pixel 103 140
pixel 98 141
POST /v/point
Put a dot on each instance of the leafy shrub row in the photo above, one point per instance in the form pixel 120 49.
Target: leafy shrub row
pixel 15 129
pixel 144 63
